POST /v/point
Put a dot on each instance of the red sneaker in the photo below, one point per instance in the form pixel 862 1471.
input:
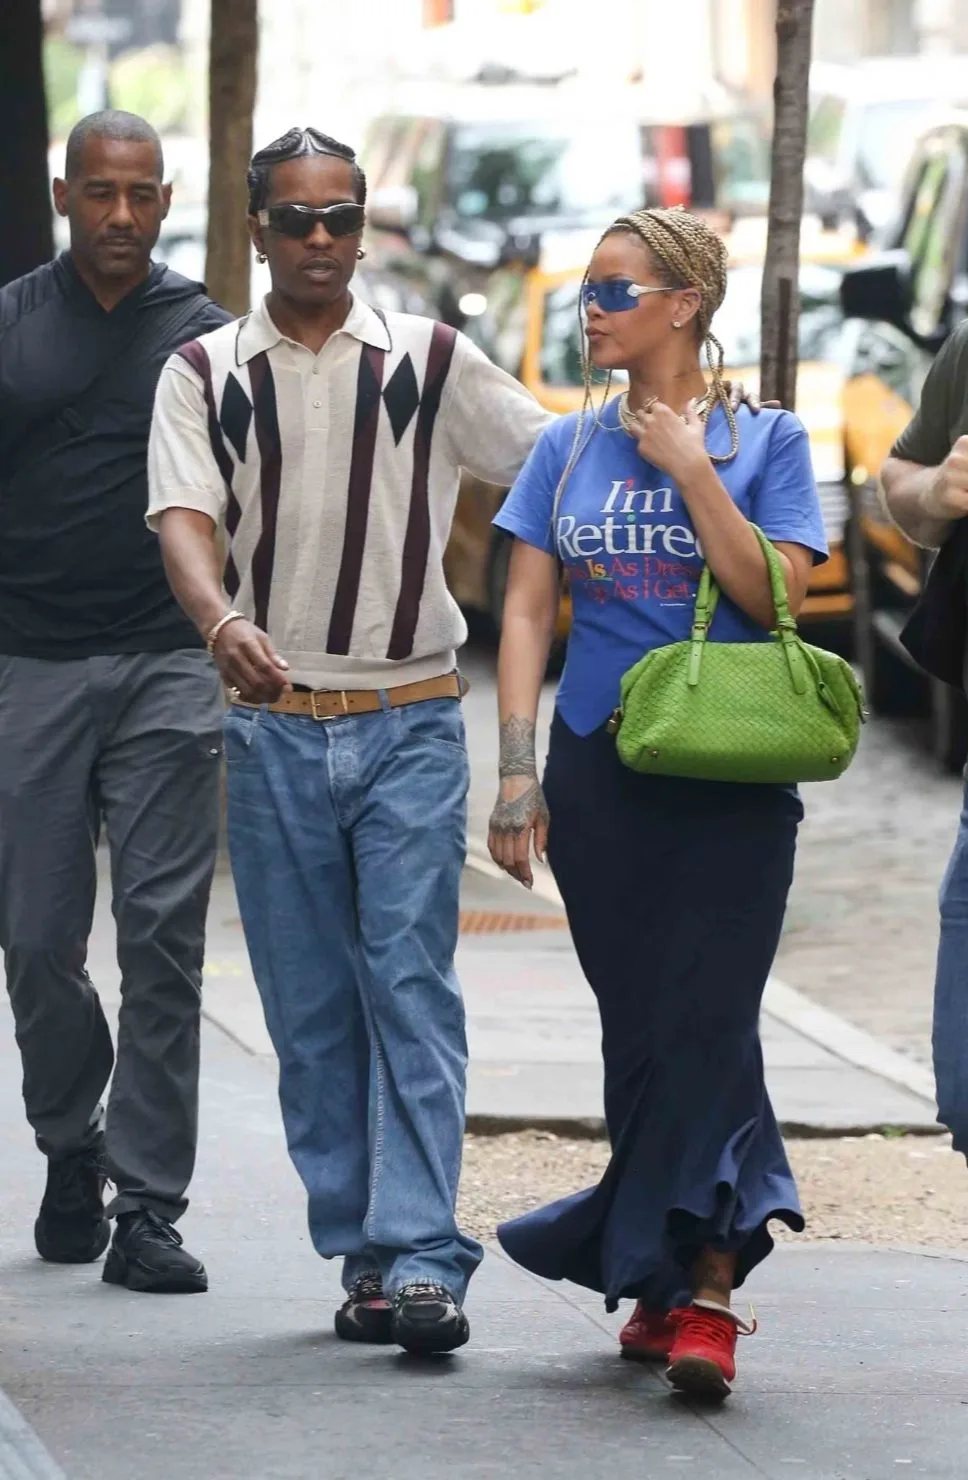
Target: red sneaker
pixel 703 1357
pixel 648 1335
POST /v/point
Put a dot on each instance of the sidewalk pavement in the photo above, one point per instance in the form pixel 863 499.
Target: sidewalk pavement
pixel 534 1034
pixel 857 1372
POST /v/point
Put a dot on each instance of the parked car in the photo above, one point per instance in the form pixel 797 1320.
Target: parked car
pixel 530 327
pixel 903 304
pixel 864 122
pixel 473 180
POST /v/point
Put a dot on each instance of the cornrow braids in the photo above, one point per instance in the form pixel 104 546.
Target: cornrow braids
pixel 686 253
pixel 296 144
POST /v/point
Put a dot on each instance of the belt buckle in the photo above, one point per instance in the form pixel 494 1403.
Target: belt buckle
pixel 322 718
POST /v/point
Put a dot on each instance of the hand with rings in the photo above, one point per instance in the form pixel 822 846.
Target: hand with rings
pixel 676 444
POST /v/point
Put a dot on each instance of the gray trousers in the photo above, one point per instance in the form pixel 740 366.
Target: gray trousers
pixel 133 742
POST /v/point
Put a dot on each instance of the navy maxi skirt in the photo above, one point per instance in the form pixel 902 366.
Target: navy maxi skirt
pixel 675 892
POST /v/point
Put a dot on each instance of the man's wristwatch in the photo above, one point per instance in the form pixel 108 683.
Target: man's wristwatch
pixel 232 616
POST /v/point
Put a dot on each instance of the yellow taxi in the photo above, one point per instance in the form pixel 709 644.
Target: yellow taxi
pixel 901 307
pixel 529 325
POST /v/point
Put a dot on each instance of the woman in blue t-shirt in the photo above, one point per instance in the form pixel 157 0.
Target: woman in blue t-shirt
pixel 675 889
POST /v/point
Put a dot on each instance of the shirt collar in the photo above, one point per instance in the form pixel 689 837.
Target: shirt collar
pixel 258 333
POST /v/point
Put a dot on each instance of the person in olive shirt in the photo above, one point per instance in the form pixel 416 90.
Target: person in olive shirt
pixel 110 714
pixel 925 484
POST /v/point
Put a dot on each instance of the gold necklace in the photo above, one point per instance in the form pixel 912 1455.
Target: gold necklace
pixel 627 416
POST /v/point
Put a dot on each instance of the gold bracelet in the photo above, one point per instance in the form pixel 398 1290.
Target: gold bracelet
pixel 232 616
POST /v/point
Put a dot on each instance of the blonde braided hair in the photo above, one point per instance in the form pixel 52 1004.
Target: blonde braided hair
pixel 686 253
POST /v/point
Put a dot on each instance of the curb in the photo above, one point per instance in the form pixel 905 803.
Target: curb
pixel 596 1130
pixel 22 1456
pixel 794 1010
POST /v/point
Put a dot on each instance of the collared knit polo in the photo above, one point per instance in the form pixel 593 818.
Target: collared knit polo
pixel 335 478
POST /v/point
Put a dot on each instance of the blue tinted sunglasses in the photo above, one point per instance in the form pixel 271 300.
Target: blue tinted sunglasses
pixel 617 295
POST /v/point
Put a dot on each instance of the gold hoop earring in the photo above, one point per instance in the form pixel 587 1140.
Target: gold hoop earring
pixel 261 257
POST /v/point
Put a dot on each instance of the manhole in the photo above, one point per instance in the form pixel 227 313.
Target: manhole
pixel 495 922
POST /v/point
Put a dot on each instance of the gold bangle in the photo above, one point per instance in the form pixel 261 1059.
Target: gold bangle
pixel 232 616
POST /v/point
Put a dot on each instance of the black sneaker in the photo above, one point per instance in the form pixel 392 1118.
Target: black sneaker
pixel 366 1314
pixel 71 1227
pixel 427 1318
pixel 147 1255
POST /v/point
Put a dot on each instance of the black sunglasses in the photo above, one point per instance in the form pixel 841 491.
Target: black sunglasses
pixel 344 219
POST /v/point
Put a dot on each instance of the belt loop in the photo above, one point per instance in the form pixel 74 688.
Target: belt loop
pixel 385 704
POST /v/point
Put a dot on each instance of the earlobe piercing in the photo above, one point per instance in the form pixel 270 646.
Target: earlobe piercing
pixel 676 324
pixel 360 254
pixel 261 257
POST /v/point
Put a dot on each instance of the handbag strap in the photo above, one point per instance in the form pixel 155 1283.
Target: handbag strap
pixel 707 600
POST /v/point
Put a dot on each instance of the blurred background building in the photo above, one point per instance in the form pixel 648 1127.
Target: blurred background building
pixel 339 63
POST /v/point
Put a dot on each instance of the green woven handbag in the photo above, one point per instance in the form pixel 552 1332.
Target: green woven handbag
pixel 778 711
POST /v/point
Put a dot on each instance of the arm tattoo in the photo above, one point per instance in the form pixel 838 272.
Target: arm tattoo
pixel 519 815
pixel 517 748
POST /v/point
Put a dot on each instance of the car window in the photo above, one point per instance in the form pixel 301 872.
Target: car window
pixel 502 330
pixel 887 354
pixel 885 134
pixel 399 144
pixel 498 171
pixel 561 341
pixel 932 234
pixel 823 131
pixel 736 326
pixel 511 322
pixel 741 155
pixel 383 150
pixel 425 170
pixel 927 194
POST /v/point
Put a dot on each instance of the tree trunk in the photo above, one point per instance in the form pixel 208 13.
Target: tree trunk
pixel 781 271
pixel 233 57
pixel 26 227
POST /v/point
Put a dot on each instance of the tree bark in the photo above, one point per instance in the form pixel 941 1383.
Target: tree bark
pixel 26 226
pixel 781 271
pixel 234 48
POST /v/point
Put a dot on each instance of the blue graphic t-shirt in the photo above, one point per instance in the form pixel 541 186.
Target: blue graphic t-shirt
pixel 625 538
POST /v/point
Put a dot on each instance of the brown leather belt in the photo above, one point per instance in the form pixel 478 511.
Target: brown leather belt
pixel 334 703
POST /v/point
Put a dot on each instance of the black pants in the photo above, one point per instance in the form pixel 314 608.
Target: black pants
pixel 134 741
pixel 675 892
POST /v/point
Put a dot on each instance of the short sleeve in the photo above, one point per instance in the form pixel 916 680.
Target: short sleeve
pixel 528 510
pixel 182 471
pixel 785 504
pixel 492 420
pixel 927 439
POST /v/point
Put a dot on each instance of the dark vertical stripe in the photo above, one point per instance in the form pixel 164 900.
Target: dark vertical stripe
pixel 416 545
pixel 270 476
pixel 369 386
pixel 196 355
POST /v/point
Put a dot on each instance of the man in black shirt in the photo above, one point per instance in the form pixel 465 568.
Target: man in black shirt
pixel 110 713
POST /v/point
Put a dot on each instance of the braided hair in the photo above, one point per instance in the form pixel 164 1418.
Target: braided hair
pixel 685 253
pixel 297 144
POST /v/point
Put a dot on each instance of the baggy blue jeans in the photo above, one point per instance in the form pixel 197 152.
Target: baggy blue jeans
pixel 951 994
pixel 347 839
